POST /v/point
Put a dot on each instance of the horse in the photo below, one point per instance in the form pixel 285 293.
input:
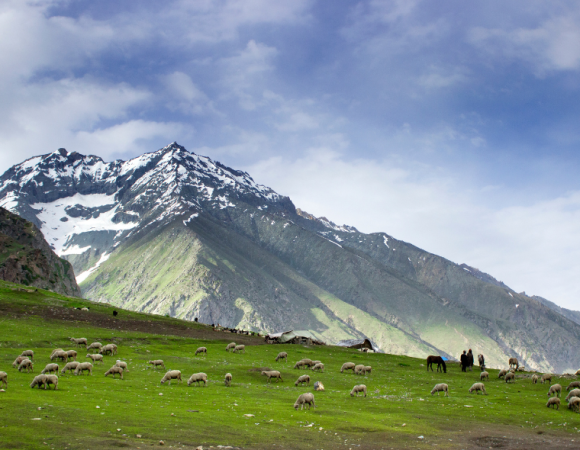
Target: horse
pixel 436 359
pixel 513 362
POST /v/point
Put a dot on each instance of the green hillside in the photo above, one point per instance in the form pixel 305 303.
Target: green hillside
pixel 97 412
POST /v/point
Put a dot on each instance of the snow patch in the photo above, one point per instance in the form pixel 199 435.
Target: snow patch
pixel 386 240
pixel 74 250
pixel 193 216
pixel 83 276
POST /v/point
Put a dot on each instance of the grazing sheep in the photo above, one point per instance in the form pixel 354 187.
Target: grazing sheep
pixel 510 376
pixel 359 369
pixel 69 366
pixel 546 377
pixel 512 371
pixel 573 393
pixel 59 354
pixel 54 351
pixel 299 364
pixel 308 362
pixel 18 360
pixel 303 399
pixel 84 366
pixel 197 378
pixel 319 367
pixel 535 379
pixel 477 387
pixel 171 375
pixel 502 373
pixel 272 374
pixel 347 366
pixel 555 389
pixel 39 380
pixel 115 370
pixel 51 379
pixel 4 378
pixel 553 402
pixel 282 355
pixel 239 348
pixel 50 368
pixel 122 365
pixel 108 349
pixel 95 346
pixel 441 387
pixel 201 350
pixel 28 353
pixel 483 375
pixel 230 346
pixel 574 384
pixel 368 370
pixel 26 364
pixel 302 379
pixel 316 362
pixel 358 388
pixel 95 357
pixel 573 404
pixel 79 341
pixel 156 362
pixel 228 379
pixel 513 362
pixel 72 354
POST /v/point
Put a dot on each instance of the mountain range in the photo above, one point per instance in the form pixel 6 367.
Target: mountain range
pixel 172 232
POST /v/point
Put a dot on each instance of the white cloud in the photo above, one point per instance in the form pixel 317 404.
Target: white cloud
pixel 185 95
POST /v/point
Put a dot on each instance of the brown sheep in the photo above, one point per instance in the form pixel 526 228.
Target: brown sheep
pixel 555 389
pixel 282 355
pixel 513 362
pixel 553 402
pixel 510 376
pixel 546 377
pixel 26 364
pixel 115 370
pixel 72 354
pixel 574 384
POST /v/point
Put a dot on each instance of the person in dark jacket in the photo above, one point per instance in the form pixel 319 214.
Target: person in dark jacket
pixel 463 360
pixel 470 360
pixel 481 359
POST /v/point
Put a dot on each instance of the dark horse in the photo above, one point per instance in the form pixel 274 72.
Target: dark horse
pixel 436 359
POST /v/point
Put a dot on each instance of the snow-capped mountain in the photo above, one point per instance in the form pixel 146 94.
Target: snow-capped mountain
pixel 171 232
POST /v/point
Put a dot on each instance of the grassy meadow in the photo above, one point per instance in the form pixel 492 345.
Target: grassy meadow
pixel 94 412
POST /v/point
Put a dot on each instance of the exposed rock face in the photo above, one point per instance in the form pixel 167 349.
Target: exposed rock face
pixel 176 233
pixel 26 258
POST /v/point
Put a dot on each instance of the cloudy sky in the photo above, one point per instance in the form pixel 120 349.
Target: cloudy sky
pixel 452 125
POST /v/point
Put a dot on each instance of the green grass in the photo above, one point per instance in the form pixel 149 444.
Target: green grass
pixel 398 393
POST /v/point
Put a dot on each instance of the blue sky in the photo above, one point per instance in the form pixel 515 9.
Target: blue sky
pixel 452 125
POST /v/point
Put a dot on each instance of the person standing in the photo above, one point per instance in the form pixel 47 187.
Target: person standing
pixel 470 360
pixel 463 360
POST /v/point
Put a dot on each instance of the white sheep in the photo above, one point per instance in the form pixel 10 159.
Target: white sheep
pixel 122 365
pixel 50 368
pixel 553 402
pixel 302 379
pixel 39 380
pixel 115 370
pixel 502 373
pixel 230 346
pixel 26 364
pixel 171 375
pixel 156 362
pixel 79 341
pixel 484 375
pixel 84 309
pixel 555 389
pixel 197 378
pixel 573 393
pixel 201 350
pixel 282 355
pixel 535 379
pixel 84 366
pixel 4 379
pixel 239 349
pixel 59 354
pixel 95 346
pixel 109 349
pixel 69 366
pixel 299 364
pixel 272 374
pixel 546 377
pixel 358 388
pixel 441 387
pixel 318 367
pixel 574 384
pixel 347 366
pixel 72 354
pixel 510 376
pixel 28 353
pixel 308 362
pixel 574 403
pixel 228 379
pixel 477 387
pixel 368 370
pixel 95 357
pixel 54 351
pixel 18 360
pixel 51 379
pixel 303 399
pixel 359 369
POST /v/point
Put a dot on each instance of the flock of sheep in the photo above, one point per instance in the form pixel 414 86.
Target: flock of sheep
pixel 573 398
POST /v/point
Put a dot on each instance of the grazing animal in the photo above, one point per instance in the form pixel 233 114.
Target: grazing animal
pixel 157 362
pixel 28 353
pixel 171 375
pixel 282 355
pixel 509 376
pixel 359 388
pixel 573 404
pixel 4 378
pixel 84 366
pixel 347 366
pixel 239 349
pixel 535 379
pixel 200 377
pixel 201 350
pixel 228 379
pixel 439 361
pixel 441 387
pixel 477 387
pixel 502 373
pixel 302 379
pixel 304 399
pixel 272 374
pixel 483 375
pixel 79 341
pixel 555 389
pixel 574 384
pixel 230 346
pixel 553 402
pixel 513 362
pixel 115 370
pixel 546 377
